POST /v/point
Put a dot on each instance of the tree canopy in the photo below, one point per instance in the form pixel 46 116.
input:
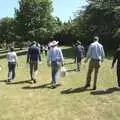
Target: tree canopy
pixel 34 21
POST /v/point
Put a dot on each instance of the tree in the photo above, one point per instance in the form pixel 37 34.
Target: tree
pixel 7 33
pixel 34 20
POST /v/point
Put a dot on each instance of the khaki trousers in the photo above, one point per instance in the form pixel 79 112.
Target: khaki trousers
pixel 93 65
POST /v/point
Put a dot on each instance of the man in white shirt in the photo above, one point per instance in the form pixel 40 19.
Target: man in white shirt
pixel 96 54
pixel 55 57
pixel 12 61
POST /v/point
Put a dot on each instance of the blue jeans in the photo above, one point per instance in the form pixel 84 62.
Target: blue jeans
pixel 55 68
pixel 11 68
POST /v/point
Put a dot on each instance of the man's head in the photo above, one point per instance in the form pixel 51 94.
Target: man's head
pixel 78 42
pixel 96 38
pixel 11 49
pixel 33 43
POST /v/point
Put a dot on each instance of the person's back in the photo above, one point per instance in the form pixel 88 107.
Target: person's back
pixel 34 53
pixel 56 54
pixel 11 56
pixel 96 50
pixel 79 51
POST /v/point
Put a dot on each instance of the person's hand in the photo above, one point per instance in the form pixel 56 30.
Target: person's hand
pixel 17 64
pixel 102 60
pixel 27 61
pixel 48 63
pixel 74 61
pixel 112 67
pixel 86 60
pixel 62 63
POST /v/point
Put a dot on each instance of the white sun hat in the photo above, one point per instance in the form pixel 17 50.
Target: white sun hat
pixel 54 43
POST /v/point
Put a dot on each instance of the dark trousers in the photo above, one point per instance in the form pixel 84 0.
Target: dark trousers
pixel 11 68
pixel 78 62
pixel 33 69
pixel 118 75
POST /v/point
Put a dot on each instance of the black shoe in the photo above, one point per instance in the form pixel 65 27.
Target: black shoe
pixel 53 86
pixel 9 80
pixel 86 86
pixel 34 80
pixel 94 88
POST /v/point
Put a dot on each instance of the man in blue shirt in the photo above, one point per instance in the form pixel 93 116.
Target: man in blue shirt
pixel 33 57
pixel 55 58
pixel 96 54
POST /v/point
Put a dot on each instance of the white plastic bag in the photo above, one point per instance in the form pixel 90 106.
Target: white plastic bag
pixel 63 72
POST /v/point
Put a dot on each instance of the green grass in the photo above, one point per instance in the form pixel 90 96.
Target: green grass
pixel 21 100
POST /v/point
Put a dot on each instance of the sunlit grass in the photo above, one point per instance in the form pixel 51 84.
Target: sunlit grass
pixel 21 100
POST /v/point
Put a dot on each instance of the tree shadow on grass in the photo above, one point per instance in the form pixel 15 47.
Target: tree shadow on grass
pixel 19 82
pixel 104 92
pixel 47 85
pixel 75 90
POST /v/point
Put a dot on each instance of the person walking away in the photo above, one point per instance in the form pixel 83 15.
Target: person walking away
pixel 33 57
pixel 117 58
pixel 12 61
pixel 79 54
pixel 96 54
pixel 55 58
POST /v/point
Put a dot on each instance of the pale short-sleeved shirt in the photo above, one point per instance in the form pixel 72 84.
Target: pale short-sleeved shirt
pixel 11 57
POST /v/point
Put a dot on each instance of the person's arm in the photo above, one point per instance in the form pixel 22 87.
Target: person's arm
pixel 75 54
pixel 103 54
pixel 62 58
pixel 114 59
pixel 39 54
pixel 88 53
pixel 28 56
pixel 83 51
pixel 16 59
pixel 48 57
pixel 7 57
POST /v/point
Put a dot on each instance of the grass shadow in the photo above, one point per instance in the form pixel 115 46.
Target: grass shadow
pixel 47 85
pixel 106 91
pixel 75 90
pixel 19 82
pixel 71 70
pixel 68 63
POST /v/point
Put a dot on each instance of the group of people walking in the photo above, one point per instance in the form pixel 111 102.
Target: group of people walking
pixel 55 59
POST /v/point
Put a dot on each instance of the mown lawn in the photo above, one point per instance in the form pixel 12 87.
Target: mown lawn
pixel 22 100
